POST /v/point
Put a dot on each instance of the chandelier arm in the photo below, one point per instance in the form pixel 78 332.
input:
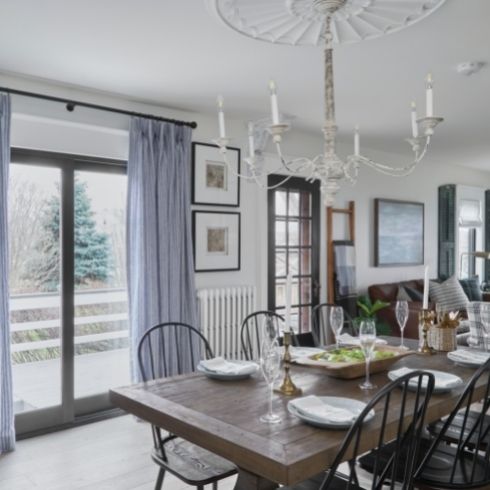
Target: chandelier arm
pixel 424 151
pixel 288 165
pixel 270 187
pixel 355 160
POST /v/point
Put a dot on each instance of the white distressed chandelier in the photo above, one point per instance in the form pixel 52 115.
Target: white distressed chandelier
pixel 314 22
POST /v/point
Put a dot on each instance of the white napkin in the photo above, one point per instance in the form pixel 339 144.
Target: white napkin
pixel 347 339
pixel 440 380
pixel 470 355
pixel 222 366
pixel 314 407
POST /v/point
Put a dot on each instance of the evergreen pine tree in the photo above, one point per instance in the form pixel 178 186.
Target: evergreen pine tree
pixel 92 260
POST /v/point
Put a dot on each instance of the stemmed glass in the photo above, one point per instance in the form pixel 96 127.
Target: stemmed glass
pixel 401 311
pixel 337 322
pixel 367 339
pixel 270 363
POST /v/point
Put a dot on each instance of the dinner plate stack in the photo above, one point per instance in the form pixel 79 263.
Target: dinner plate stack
pixel 328 412
pixel 444 382
pixel 469 358
pixel 224 370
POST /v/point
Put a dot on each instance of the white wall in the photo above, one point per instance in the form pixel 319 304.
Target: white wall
pixel 48 126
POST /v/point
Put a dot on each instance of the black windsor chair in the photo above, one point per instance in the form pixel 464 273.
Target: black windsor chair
pixel 190 463
pixel 404 413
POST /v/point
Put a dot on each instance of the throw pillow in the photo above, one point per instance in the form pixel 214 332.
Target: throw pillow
pixel 402 294
pixel 415 294
pixel 471 287
pixel 478 316
pixel 449 295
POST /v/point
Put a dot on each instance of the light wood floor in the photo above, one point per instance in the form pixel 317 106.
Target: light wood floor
pixel 109 455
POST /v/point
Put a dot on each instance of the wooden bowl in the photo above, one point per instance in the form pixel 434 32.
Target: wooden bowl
pixel 351 370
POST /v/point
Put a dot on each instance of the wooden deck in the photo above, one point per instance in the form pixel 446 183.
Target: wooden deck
pixel 38 384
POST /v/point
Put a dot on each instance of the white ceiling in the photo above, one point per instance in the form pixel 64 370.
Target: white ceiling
pixel 174 53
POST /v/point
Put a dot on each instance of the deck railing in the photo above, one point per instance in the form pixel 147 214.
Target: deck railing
pixel 29 302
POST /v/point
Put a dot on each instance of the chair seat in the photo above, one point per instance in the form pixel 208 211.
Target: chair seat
pixel 454 430
pixel 338 483
pixel 437 471
pixel 193 464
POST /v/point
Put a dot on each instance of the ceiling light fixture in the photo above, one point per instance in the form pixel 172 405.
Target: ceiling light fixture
pixel 315 21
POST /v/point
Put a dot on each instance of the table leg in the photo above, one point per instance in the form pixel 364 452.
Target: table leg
pixel 249 481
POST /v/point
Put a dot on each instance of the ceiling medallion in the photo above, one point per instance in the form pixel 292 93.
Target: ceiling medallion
pixel 300 22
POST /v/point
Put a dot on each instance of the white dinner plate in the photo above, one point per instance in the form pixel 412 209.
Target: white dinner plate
pixel 444 382
pixel 468 357
pixel 229 376
pixel 354 406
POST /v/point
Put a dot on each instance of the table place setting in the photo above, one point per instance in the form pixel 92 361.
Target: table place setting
pixel 327 412
pixel 444 382
pixel 468 357
pixel 225 370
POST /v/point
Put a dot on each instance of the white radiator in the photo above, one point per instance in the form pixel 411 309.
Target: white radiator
pixel 222 312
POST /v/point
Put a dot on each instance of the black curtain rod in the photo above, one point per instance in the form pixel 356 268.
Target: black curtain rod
pixel 71 104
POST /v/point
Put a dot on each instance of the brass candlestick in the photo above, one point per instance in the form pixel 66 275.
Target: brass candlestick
pixel 427 317
pixel 287 387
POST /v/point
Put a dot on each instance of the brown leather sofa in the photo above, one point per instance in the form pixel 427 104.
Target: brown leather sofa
pixel 388 292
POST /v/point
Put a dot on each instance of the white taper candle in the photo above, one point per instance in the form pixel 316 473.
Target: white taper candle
pixel 429 97
pixel 289 293
pixel 221 117
pixel 251 142
pixel 415 126
pixel 356 141
pixel 274 104
pixel 425 304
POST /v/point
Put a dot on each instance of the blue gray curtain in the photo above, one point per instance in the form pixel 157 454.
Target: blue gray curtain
pixel 159 240
pixel 7 434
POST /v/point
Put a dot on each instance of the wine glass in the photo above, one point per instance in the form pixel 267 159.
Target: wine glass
pixel 401 311
pixel 270 364
pixel 269 330
pixel 367 340
pixel 337 322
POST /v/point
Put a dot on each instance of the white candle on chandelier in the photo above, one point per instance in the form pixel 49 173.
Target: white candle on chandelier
pixel 356 141
pixel 251 143
pixel 288 301
pixel 429 97
pixel 221 117
pixel 415 126
pixel 425 304
pixel 274 104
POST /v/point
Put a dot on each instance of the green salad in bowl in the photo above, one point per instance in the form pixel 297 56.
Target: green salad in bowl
pixel 350 355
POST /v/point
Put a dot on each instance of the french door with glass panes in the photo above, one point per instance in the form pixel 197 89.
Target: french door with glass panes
pixel 68 301
pixel 293 247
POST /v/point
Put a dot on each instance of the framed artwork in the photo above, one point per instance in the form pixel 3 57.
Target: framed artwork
pixel 212 182
pixel 216 237
pixel 399 233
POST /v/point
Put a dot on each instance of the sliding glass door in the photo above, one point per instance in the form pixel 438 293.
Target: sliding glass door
pixel 69 336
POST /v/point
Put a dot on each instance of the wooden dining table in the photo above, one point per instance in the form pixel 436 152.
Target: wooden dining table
pixel 223 417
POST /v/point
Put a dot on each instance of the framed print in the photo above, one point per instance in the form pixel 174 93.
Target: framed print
pixel 216 237
pixel 399 233
pixel 212 181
